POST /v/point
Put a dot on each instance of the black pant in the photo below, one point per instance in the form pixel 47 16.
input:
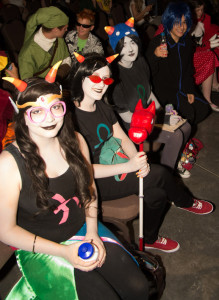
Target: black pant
pixel 195 112
pixel 118 278
pixel 159 188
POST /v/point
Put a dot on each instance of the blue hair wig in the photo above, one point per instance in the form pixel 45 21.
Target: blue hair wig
pixel 173 15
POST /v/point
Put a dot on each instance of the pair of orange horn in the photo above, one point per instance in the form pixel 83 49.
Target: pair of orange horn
pixel 80 58
pixel 110 29
pixel 22 85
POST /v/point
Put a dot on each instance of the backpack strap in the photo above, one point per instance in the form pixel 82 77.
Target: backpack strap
pixel 51 60
pixel 122 176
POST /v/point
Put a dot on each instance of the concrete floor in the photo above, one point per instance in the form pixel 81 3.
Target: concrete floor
pixel 193 271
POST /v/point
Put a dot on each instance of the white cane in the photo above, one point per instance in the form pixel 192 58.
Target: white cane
pixel 141 208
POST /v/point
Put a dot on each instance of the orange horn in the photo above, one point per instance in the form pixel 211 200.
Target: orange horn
pixel 79 57
pixel 51 76
pixel 130 22
pixel 109 29
pixel 19 84
pixel 111 58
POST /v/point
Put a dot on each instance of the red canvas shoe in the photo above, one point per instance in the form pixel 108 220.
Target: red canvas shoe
pixel 200 207
pixel 163 244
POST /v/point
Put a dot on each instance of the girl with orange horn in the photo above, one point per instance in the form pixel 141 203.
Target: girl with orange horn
pixel 49 207
pixel 116 162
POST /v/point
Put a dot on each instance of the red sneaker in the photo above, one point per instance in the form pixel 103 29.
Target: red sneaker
pixel 163 244
pixel 200 207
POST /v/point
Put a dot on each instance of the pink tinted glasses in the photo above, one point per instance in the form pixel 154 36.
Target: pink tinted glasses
pixel 39 114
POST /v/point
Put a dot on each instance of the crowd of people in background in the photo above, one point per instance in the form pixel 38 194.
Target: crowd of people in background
pixel 166 52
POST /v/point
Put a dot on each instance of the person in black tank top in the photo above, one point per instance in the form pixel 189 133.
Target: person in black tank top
pixel 49 207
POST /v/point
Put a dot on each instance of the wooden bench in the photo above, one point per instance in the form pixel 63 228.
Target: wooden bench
pixel 121 212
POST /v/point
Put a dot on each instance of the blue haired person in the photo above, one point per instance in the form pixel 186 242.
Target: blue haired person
pixel 172 67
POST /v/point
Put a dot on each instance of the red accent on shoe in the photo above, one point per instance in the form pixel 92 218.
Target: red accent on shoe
pixel 200 207
pixel 163 244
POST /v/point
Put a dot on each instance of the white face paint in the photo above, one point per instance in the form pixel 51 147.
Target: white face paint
pixel 95 91
pixel 129 52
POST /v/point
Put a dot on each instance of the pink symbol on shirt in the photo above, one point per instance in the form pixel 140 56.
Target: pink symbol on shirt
pixel 63 206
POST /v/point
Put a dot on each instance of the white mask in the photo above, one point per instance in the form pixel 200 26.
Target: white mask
pixel 129 51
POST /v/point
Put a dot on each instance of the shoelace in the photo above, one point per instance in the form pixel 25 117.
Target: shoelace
pixel 180 168
pixel 197 204
pixel 162 240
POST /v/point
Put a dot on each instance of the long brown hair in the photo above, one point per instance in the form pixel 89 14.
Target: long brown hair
pixel 35 165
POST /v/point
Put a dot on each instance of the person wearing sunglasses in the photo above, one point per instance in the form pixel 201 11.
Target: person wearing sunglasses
pixel 49 206
pixel 82 40
pixel 97 122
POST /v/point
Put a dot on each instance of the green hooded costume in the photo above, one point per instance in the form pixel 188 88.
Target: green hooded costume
pixel 32 58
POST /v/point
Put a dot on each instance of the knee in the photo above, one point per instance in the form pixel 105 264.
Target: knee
pixel 177 138
pixel 155 199
pixel 186 129
pixel 160 172
pixel 160 176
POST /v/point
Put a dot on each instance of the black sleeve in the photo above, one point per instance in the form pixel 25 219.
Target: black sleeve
pixel 152 59
pixel 118 99
pixel 189 82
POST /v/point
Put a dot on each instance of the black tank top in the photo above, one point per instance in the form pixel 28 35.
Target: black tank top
pixel 59 224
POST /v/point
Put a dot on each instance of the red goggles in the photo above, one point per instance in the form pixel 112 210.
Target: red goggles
pixel 97 79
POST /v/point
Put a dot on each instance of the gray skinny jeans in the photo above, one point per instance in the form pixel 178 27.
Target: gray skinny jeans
pixel 174 143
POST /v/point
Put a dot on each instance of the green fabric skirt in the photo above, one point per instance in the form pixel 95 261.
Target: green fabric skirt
pixel 47 277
